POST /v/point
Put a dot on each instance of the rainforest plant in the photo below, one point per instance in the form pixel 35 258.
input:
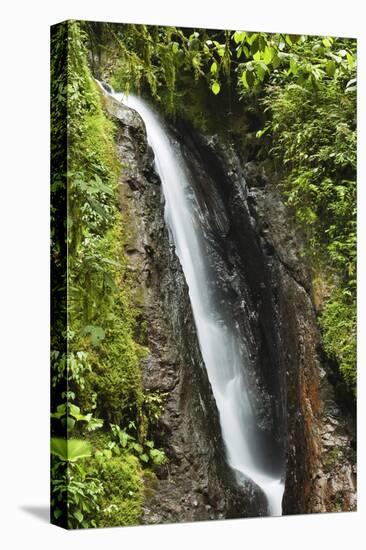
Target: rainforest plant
pixel 95 357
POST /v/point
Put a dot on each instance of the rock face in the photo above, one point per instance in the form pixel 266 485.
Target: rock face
pixel 320 468
pixel 297 409
pixel 268 289
pixel 197 483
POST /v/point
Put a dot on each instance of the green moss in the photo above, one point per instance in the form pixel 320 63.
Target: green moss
pixel 151 483
pixel 338 322
pixel 314 142
pixel 123 492
pixel 104 377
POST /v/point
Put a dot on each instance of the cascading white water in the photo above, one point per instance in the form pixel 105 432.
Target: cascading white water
pixel 218 337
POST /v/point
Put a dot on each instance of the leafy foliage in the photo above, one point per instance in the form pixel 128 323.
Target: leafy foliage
pixel 100 362
pixel 314 140
pixel 76 494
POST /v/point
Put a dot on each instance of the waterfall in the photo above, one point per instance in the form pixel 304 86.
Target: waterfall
pixel 217 332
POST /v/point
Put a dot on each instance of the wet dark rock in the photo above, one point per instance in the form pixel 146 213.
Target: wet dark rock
pixel 196 483
pixel 255 174
pixel 294 399
pixel 266 288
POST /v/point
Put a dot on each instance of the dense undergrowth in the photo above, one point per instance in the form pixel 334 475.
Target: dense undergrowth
pixel 101 417
pixel 314 138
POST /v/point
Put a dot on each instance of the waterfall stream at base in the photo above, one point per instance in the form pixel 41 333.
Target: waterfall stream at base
pixel 217 333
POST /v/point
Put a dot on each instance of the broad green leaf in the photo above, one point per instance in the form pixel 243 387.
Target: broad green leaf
pixel 276 62
pixel 248 79
pixel 330 67
pixel 255 45
pixel 196 61
pixel 137 447
pixel 257 56
pixel 261 69
pixel 124 438
pixel 251 37
pixel 351 60
pixel 97 334
pixel 60 411
pixel 70 423
pixel 214 68
pixel 70 450
pixel 293 65
pixel 215 87
pixel 73 409
pixel 268 55
pixel 57 513
pixel 239 36
pixel 78 515
pixel 288 39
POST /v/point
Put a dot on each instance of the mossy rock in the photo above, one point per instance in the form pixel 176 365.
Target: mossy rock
pixel 123 492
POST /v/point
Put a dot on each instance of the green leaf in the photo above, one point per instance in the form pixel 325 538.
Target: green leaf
pixel 137 447
pixel 144 457
pixel 57 513
pixel 94 424
pixel 97 334
pixel 260 133
pixel 196 61
pixel 157 456
pixel 261 69
pixel 276 62
pixel 70 423
pixel 78 515
pixel 268 55
pixel 215 87
pixel 351 82
pixel 330 67
pixel 251 37
pixel 257 56
pixel 239 36
pixel 70 450
pixel 351 60
pixel 60 411
pixel 288 39
pixel 248 79
pixel 124 437
pixel 214 68
pixel 293 65
pixel 326 42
